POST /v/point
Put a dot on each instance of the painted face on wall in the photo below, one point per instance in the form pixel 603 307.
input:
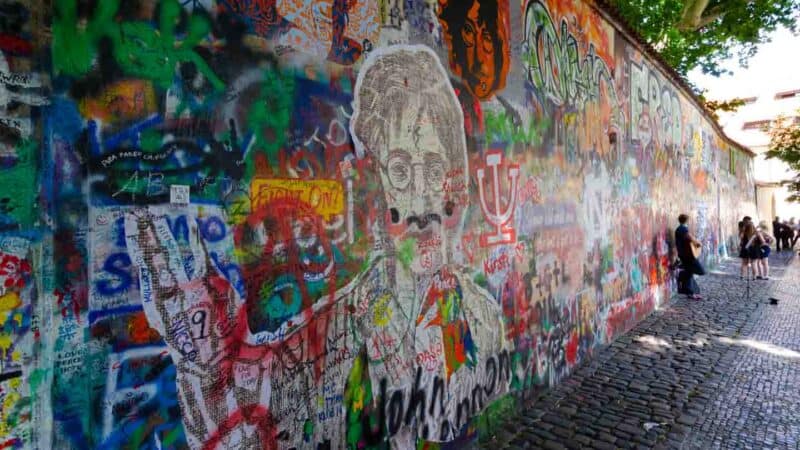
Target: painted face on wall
pixel 476 35
pixel 478 40
pixel 414 165
pixel 408 117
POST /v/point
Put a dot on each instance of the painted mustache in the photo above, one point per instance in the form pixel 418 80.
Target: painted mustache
pixel 423 221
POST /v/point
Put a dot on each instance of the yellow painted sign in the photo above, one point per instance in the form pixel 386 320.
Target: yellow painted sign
pixel 325 196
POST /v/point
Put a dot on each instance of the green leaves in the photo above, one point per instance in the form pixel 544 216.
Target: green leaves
pixel 785 145
pixel 722 105
pixel 702 33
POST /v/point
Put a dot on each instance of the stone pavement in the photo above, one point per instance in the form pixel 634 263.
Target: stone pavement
pixel 723 372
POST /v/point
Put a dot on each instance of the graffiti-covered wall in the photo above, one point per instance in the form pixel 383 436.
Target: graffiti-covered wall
pixel 246 224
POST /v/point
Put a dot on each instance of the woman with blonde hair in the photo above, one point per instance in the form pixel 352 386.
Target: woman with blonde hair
pixel 764 250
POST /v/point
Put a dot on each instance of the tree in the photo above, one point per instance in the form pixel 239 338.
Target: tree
pixel 702 33
pixel 784 144
pixel 721 105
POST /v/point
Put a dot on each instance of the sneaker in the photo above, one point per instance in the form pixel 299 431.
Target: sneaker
pixel 759 277
pixel 696 297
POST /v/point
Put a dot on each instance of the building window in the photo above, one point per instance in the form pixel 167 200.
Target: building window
pixel 787 94
pixel 756 125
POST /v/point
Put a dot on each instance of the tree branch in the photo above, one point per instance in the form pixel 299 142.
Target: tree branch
pixel 691 14
pixel 708 19
pixel 694 19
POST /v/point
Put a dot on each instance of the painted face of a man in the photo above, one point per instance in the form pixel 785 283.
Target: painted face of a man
pixel 480 70
pixel 407 116
pixel 415 173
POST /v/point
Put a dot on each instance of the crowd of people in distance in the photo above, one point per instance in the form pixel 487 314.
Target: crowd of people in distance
pixel 786 234
pixel 755 243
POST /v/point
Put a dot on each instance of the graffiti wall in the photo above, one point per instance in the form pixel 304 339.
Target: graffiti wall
pixel 285 224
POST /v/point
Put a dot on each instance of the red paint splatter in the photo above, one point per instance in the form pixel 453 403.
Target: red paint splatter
pixel 139 329
pixel 254 415
pixel 15 45
pixel 15 271
pixel 11 443
pixel 572 349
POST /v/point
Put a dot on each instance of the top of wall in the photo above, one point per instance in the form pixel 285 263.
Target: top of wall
pixel 610 13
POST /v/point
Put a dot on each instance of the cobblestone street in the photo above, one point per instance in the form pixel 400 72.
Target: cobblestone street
pixel 718 373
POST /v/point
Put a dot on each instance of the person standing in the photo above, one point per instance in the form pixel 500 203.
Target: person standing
pixel 786 235
pixel 745 254
pixel 777 228
pixel 684 241
pixel 795 231
pixel 762 263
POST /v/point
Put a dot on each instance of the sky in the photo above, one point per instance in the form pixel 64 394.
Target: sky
pixel 774 68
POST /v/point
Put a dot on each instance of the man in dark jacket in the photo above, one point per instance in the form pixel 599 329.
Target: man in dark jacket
pixel 684 240
pixel 777 231
pixel 786 236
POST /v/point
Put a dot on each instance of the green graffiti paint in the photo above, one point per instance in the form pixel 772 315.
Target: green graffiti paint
pixel 308 430
pixel 154 54
pixel 495 414
pixel 500 127
pixel 172 436
pixel 137 436
pixel 481 280
pixel 359 404
pixel 428 445
pixel 405 254
pixel 73 48
pixel 270 115
pixel 36 379
pixel 140 50
pixel 18 188
pixel 150 140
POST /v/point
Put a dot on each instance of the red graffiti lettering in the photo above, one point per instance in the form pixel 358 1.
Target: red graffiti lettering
pixel 492 266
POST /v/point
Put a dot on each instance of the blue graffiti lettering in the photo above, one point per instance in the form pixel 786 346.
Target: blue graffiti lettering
pixel 212 229
pixel 117 264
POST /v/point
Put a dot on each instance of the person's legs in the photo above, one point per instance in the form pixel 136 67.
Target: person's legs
pixel 765 266
pixel 695 268
pixel 684 282
pixel 742 270
pixel 694 289
pixel 759 268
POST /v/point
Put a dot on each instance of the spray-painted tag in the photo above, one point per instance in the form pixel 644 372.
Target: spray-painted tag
pixel 179 194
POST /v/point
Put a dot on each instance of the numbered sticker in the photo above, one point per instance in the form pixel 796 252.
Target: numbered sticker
pixel 179 194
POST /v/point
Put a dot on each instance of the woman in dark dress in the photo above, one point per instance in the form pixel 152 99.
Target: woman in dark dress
pixel 748 251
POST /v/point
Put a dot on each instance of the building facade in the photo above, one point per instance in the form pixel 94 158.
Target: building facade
pixel 771 90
